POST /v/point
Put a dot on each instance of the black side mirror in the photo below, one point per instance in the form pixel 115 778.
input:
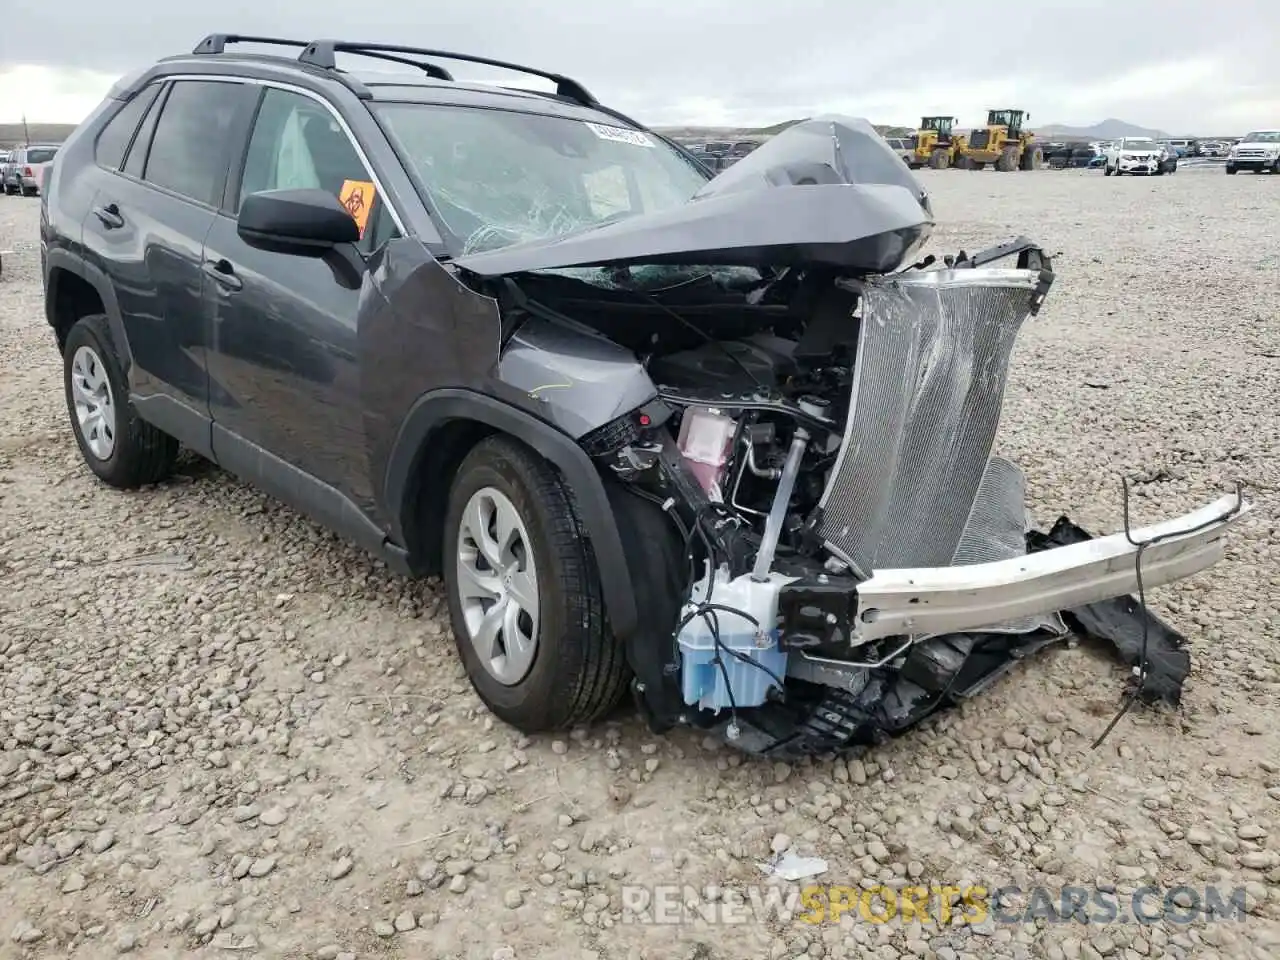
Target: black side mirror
pixel 307 222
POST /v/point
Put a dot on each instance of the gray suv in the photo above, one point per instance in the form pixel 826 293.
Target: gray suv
pixel 718 441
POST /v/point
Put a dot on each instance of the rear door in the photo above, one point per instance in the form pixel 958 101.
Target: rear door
pixel 283 367
pixel 146 230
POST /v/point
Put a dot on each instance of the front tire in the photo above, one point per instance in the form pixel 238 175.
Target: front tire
pixel 940 159
pixel 524 593
pixel 121 448
pixel 1230 169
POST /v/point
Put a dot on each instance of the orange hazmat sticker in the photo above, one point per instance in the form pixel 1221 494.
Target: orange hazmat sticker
pixel 357 196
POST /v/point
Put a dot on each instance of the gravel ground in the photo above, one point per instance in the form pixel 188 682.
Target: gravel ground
pixel 223 730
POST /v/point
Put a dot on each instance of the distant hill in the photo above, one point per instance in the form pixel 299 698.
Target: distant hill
pixel 1110 129
pixel 11 134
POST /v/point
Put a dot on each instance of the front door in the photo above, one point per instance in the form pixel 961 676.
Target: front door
pixel 283 366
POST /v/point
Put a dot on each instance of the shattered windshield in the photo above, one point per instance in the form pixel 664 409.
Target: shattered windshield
pixel 499 177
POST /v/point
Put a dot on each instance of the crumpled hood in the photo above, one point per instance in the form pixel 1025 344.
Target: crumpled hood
pixel 825 191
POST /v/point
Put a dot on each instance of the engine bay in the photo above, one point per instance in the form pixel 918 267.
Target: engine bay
pixel 797 433
pixel 738 359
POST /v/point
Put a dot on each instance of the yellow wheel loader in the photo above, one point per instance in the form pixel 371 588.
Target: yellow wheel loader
pixel 937 145
pixel 1003 143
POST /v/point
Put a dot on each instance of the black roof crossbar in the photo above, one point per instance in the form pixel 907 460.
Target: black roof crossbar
pixel 320 53
pixel 217 43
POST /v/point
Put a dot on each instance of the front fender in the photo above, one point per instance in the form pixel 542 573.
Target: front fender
pixel 437 409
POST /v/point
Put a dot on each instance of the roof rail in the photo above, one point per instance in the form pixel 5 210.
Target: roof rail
pixel 320 53
pixel 217 43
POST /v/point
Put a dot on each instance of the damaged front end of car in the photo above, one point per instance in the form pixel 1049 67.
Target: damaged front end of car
pixel 797 426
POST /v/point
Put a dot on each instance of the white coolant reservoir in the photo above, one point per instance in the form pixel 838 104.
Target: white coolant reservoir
pixel 742 682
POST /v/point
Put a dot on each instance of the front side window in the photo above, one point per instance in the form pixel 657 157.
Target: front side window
pixel 189 147
pixel 498 177
pixel 298 144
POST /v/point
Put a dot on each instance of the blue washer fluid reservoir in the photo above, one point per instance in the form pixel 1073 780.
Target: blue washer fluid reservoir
pixel 741 683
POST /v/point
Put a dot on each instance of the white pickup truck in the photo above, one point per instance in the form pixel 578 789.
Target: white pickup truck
pixel 1133 155
pixel 1259 151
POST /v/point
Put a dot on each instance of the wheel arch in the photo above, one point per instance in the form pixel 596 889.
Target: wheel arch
pixel 440 429
pixel 75 289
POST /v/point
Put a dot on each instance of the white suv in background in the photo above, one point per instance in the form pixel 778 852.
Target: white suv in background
pixel 904 148
pixel 26 169
pixel 1258 151
pixel 1133 155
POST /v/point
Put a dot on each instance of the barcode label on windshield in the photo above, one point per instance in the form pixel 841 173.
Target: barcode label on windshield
pixel 636 138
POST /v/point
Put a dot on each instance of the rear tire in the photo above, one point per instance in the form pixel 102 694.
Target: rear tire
pixel 121 448
pixel 561 666
pixel 1106 169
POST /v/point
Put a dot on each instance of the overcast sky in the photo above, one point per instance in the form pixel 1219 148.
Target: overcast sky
pixel 1184 66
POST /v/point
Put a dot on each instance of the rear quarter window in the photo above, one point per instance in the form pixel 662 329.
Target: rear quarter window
pixel 113 142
